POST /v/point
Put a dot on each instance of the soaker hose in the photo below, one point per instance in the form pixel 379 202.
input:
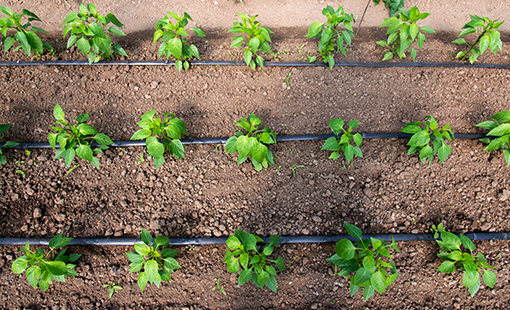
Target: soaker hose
pixel 45 145
pixel 283 239
pixel 266 64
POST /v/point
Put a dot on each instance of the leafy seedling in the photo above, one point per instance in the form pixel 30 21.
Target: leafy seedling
pixel 219 287
pixel 43 268
pixel 25 34
pixel 294 168
pixel 157 265
pixel 3 129
pixel 75 139
pixel 499 128
pixel 488 37
pixel 344 142
pixel 258 36
pixel 403 30
pixel 140 159
pixel 371 272
pixel 112 288
pixel 173 43
pixel 169 129
pixel 436 230
pixel 252 260
pixel 393 5
pixel 253 143
pixel 419 142
pixel 88 30
pixel 330 35
pixel 471 265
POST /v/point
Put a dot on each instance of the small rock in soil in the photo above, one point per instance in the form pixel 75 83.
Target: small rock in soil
pixel 486 226
pixel 156 224
pixel 61 217
pixel 29 191
pixel 504 195
pixel 37 213
pixel 317 219
pixel 108 232
pixel 305 231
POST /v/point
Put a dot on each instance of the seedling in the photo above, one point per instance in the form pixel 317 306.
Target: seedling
pixel 140 159
pixel 419 142
pixel 501 129
pixel 488 37
pixel 330 35
pixel 252 143
pixel 218 286
pixel 74 139
pixel 169 129
pixel 437 230
pixel 157 265
pixel 43 268
pixel 287 80
pixel 255 264
pixel 173 43
pixel 25 34
pixel 90 36
pixel 3 129
pixel 370 271
pixel 344 142
pixel 402 31
pixel 294 168
pixel 112 288
pixel 471 265
pixel 258 36
pixel 393 5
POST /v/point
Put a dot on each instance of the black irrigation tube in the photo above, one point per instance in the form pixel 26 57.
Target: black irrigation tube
pixel 45 145
pixel 283 239
pixel 242 63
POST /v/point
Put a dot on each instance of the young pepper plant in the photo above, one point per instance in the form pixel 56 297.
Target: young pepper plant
pixel 488 37
pixel 252 259
pixel 173 43
pixel 88 30
pixel 402 32
pixel 471 265
pixel 169 129
pixel 393 5
pixel 74 139
pixel 258 36
pixel 158 265
pixel 43 268
pixel 25 34
pixel 419 142
pixel 3 129
pixel 367 264
pixel 343 143
pixel 499 128
pixel 330 35
pixel 253 143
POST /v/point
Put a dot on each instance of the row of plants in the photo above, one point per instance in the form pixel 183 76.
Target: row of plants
pixel 90 31
pixel 364 262
pixel 163 134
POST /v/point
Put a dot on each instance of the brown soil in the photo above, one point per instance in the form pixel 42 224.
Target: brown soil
pixel 208 194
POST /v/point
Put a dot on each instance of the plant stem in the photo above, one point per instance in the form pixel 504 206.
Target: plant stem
pixel 361 21
pixel 473 46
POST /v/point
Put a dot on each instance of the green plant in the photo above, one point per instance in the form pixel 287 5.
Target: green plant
pixel 499 128
pixel 472 265
pixel 254 262
pixel 437 229
pixel 287 80
pixel 256 41
pixel 252 143
pixel 91 37
pixel 43 268
pixel 294 168
pixel 393 5
pixel 402 31
pixel 112 288
pixel 140 159
pixel 367 265
pixel 25 34
pixel 218 286
pixel 73 139
pixel 343 143
pixel 172 39
pixel 488 37
pixel 419 142
pixel 3 129
pixel 157 265
pixel 169 129
pixel 330 35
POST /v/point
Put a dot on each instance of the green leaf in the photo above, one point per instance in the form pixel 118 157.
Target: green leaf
pixel 387 56
pixel 169 252
pixel 443 152
pixel 230 146
pixel 22 39
pixel 280 264
pixel 175 47
pixel 314 29
pixel 331 144
pixel 254 44
pixel 237 41
pixel 474 288
pixel 489 278
pixel 142 249
pixel 151 270
pixel 83 45
pixel 378 282
pixel 369 264
pixel 268 250
pixel 353 288
pixel 419 139
pixel 233 243
pixel 428 29
pixel 154 147
pixel 116 31
pixel 141 134
pixel 245 145
pixel 447 267
pixel 262 278
pixel 85 152
pixel 421 40
pixel 501 130
pixel 58 113
pixel 69 156
pixel 450 240
pixel 58 241
pixel 142 281
pixel 55 267
pixel 247 57
pixel 161 241
pixel 503 116
pixel 171 263
pixel 467 243
pixel 34 41
pixel 34 273
pixel 146 237
pixel 368 292
pixel 345 249
pixel 274 240
pixel 245 276
pixel 232 264
pixel 354 231
pixel 459 41
pixel 20 264
pixel 271 284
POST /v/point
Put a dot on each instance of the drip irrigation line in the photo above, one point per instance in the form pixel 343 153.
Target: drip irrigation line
pixel 266 64
pixel 46 145
pixel 283 239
